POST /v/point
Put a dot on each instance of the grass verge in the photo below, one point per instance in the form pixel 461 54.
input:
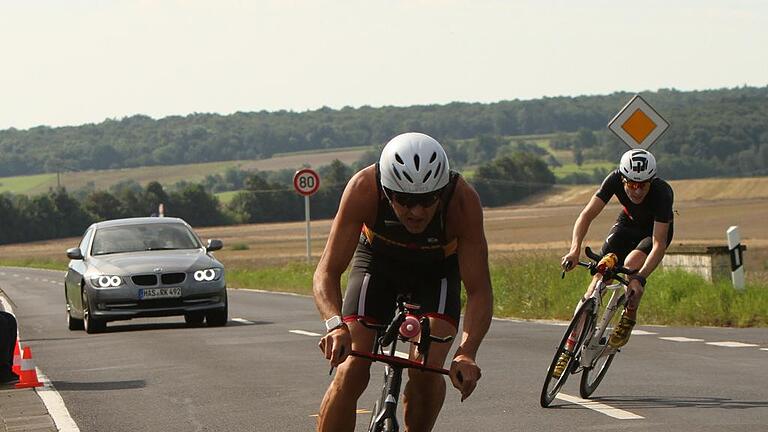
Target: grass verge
pixel 35 263
pixel 528 286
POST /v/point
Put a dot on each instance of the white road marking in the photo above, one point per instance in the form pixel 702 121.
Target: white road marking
pixel 732 344
pixel 642 332
pixel 681 339
pixel 763 349
pixel 304 333
pixel 48 394
pixel 600 407
pixel 242 321
pixel 26 277
pixel 55 405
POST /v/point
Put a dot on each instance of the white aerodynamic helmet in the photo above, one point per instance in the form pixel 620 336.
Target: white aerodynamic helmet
pixel 638 165
pixel 414 163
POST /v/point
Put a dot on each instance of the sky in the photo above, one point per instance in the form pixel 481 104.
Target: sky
pixel 82 61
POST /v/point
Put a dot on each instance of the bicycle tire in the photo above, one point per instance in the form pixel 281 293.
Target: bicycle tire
pixel 593 376
pixel 548 395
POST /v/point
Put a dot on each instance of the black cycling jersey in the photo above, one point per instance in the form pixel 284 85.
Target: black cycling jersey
pixel 656 206
pixel 389 261
pixel 389 238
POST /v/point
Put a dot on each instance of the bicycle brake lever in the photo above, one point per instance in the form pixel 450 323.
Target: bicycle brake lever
pixel 332 366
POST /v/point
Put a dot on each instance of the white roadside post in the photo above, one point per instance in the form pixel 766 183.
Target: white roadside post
pixel 737 262
pixel 306 182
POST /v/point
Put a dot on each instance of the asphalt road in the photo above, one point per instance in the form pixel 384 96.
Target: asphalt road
pixel 257 375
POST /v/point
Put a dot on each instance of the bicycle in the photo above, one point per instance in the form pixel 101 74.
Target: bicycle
pixel 591 354
pixel 404 327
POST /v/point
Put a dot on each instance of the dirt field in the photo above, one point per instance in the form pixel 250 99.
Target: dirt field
pixel 534 226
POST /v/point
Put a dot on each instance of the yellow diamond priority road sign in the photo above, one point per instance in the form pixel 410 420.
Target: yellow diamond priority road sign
pixel 638 124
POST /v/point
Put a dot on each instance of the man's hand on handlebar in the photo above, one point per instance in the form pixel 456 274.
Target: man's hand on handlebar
pixel 336 345
pixel 464 374
pixel 569 261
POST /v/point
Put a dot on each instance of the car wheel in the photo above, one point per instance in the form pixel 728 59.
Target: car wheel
pixel 218 317
pixel 194 318
pixel 73 323
pixel 91 325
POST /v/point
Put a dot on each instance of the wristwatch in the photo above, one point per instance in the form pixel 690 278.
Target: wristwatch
pixel 638 278
pixel 333 323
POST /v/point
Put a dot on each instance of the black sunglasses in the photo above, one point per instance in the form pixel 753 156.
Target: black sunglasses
pixel 411 200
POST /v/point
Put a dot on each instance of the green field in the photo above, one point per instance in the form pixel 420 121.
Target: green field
pixel 586 167
pixel 170 174
pixel 226 197
pixel 27 184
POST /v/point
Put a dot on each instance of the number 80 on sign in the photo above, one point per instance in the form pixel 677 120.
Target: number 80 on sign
pixel 306 181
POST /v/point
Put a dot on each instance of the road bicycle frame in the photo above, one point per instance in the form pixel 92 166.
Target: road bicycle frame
pixel 384 415
pixel 596 345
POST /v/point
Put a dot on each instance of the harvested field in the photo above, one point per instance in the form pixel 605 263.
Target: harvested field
pixel 509 230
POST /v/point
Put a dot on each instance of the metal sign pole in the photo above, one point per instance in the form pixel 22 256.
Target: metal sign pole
pixel 309 235
pixel 737 261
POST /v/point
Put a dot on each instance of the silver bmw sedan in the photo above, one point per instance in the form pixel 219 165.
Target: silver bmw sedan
pixel 143 267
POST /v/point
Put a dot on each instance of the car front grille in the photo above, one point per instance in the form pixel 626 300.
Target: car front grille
pixel 145 280
pixel 173 278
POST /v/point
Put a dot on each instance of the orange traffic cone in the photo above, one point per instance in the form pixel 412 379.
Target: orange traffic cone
pixel 28 375
pixel 17 358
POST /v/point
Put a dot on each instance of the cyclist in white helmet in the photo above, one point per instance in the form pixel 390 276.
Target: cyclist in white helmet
pixel 640 236
pixel 408 223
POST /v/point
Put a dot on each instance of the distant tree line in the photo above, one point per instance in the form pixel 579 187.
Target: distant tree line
pixel 721 129
pixel 59 214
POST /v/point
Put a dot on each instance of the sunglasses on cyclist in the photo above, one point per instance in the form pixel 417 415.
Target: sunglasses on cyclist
pixel 635 185
pixel 411 200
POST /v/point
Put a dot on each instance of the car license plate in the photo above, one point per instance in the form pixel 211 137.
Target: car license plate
pixel 156 293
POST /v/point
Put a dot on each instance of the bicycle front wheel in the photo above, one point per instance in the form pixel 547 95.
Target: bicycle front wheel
pixel 595 373
pixel 552 384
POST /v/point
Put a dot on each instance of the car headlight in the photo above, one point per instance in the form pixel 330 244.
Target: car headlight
pixel 207 275
pixel 106 281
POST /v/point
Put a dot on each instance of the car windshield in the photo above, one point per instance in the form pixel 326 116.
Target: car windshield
pixel 135 238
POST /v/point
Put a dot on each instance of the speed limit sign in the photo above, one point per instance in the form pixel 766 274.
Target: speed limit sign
pixel 306 181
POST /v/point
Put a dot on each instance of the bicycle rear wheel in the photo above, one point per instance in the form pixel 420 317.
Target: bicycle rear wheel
pixel 552 385
pixel 594 374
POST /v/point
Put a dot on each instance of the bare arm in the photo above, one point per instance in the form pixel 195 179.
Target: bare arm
pixel 356 201
pixel 580 228
pixel 473 265
pixel 587 215
pixel 659 248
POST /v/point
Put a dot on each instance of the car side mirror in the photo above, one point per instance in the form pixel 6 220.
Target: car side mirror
pixel 75 254
pixel 214 245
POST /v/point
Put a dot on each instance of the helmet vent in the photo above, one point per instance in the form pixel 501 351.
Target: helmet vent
pixel 434 156
pixel 437 171
pixel 426 177
pixel 405 174
pixel 416 161
pixel 397 173
pixel 399 159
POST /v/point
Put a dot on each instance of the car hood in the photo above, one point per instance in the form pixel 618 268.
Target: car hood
pixel 149 262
